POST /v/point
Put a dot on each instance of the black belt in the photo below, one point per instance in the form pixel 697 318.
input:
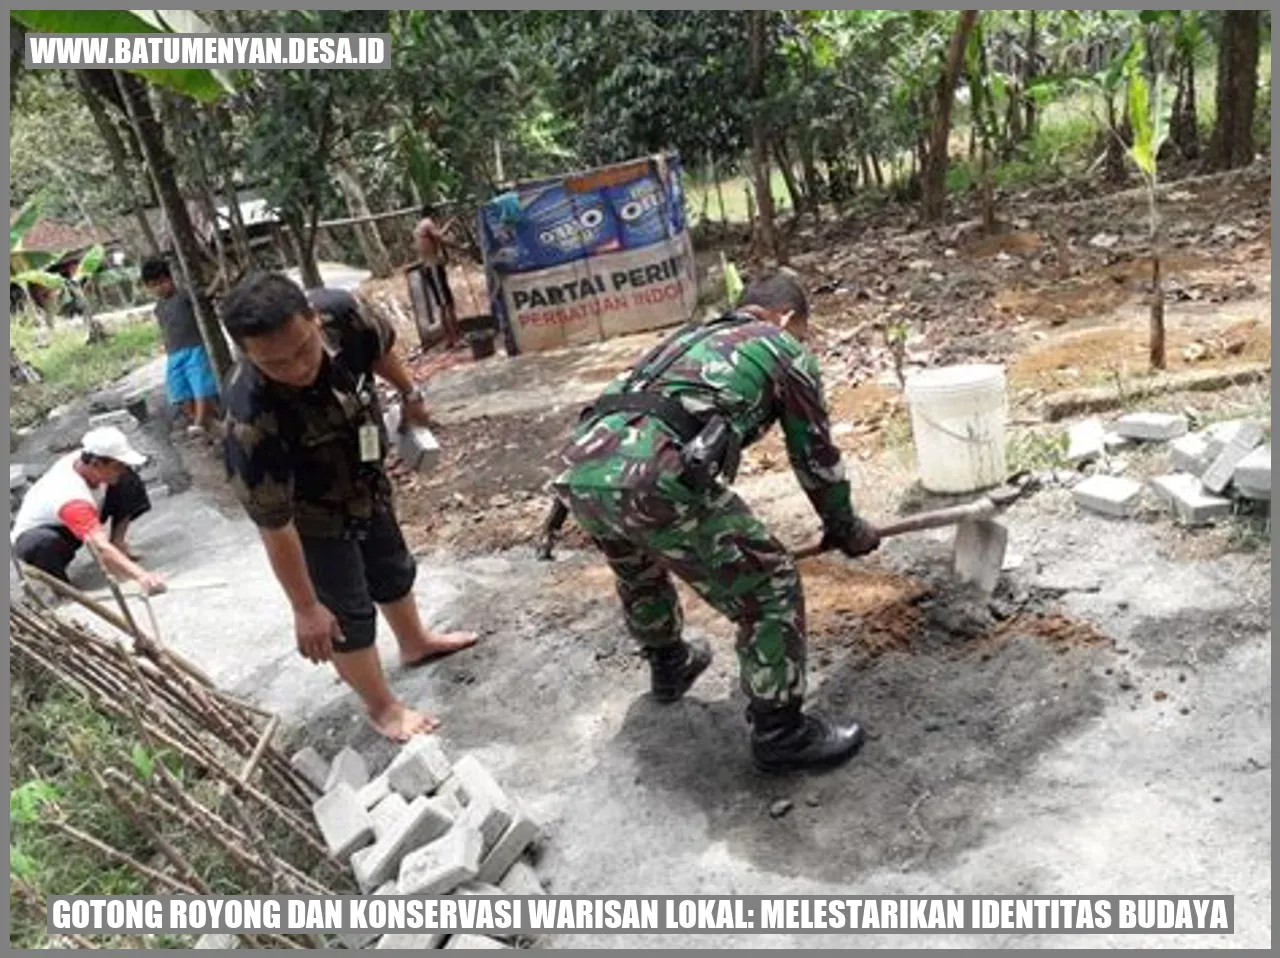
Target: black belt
pixel 663 408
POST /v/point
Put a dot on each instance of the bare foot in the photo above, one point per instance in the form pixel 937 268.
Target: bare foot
pixel 435 645
pixel 400 723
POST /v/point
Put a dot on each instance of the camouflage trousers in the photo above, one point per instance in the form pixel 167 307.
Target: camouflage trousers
pixel 725 554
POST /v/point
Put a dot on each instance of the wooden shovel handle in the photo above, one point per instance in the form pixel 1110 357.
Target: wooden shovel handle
pixel 982 509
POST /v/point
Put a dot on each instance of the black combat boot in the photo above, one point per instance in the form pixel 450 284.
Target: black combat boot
pixel 785 739
pixel 674 668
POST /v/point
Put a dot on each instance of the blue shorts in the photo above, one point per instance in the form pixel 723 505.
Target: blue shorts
pixel 189 375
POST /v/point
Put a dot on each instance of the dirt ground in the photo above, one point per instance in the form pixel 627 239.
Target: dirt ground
pixel 1100 724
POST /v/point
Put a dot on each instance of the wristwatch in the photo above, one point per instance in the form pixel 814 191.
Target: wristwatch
pixel 412 395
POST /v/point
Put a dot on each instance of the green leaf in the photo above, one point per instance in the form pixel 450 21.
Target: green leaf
pixel 91 262
pixel 27 799
pixel 26 219
pixel 143 763
pixel 1143 150
pixel 203 85
pixel 20 864
pixel 733 285
pixel 37 277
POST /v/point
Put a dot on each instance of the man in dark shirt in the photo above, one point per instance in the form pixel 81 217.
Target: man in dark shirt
pixel 305 441
pixel 189 375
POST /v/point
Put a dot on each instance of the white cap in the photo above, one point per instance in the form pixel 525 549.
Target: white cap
pixel 110 443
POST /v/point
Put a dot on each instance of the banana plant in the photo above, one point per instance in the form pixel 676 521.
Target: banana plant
pixel 1149 132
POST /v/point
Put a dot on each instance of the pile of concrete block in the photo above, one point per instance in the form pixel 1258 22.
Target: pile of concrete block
pixel 1209 467
pixel 423 826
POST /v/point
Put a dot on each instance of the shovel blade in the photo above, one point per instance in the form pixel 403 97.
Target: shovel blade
pixel 979 552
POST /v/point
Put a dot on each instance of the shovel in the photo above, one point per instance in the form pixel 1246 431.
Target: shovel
pixel 978 552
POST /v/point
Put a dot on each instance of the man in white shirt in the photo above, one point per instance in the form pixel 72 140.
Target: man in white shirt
pixel 73 503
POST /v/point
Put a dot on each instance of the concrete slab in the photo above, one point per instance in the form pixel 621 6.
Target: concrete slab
pixel 1191 454
pixel 387 813
pixel 1108 495
pixel 1252 476
pixel 1151 426
pixel 423 822
pixel 308 763
pixel 344 823
pixel 348 767
pixel 1086 441
pixel 521 879
pixel 419 768
pixel 1244 439
pixel 1187 497
pixel 439 867
pixel 504 853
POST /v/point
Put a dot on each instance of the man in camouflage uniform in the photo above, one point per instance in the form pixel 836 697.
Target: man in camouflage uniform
pixel 629 484
pixel 305 442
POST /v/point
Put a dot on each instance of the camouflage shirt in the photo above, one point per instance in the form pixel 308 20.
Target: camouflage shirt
pixel 753 374
pixel 293 454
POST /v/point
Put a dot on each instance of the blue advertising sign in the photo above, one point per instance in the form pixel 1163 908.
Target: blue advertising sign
pixel 553 222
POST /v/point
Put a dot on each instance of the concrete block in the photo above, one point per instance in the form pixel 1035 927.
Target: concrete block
pixel 308 763
pixel 344 823
pixel 1252 477
pixel 17 477
pixel 386 813
pixel 521 879
pixel 474 941
pixel 1151 426
pixel 1191 454
pixel 1189 500
pixel 444 864
pixel 1086 441
pixel 485 805
pixel 216 942
pixel 1108 495
pixel 348 766
pixel 423 821
pixel 1243 441
pixel 419 768
pixel 522 833
pixel 120 418
pixel 375 791
pixel 478 888
pixel 1114 442
pixel 431 939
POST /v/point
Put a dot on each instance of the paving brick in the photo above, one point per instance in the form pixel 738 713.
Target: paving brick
pixel 478 888
pixel 218 942
pixel 1108 495
pixel 348 766
pixel 308 763
pixel 1191 454
pixel 375 791
pixel 419 940
pixel 1086 441
pixel 444 864
pixel 419 768
pixel 1252 477
pixel 1189 500
pixel 1151 426
pixel 485 806
pixel 423 821
pixel 386 813
pixel 1242 442
pixel 474 941
pixel 522 833
pixel 344 822
pixel 521 879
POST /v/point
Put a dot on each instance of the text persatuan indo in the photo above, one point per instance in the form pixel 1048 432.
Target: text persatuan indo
pixel 513 915
pixel 558 304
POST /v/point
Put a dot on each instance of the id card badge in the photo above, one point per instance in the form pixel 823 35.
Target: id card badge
pixel 369 445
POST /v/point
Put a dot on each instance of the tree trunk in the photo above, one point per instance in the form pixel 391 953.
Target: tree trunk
pixel 1184 132
pixel 160 165
pixel 798 201
pixel 301 235
pixel 813 186
pixel 934 178
pixel 1028 75
pixel 1113 166
pixel 119 162
pixel 879 173
pixel 185 120
pixel 765 236
pixel 1232 144
pixel 367 235
pixel 225 165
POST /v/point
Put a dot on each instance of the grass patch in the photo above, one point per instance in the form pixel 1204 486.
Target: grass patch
pixel 72 368
pixel 733 189
pixel 1035 451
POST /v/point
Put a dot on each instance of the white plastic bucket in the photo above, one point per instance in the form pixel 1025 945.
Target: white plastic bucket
pixel 957 424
